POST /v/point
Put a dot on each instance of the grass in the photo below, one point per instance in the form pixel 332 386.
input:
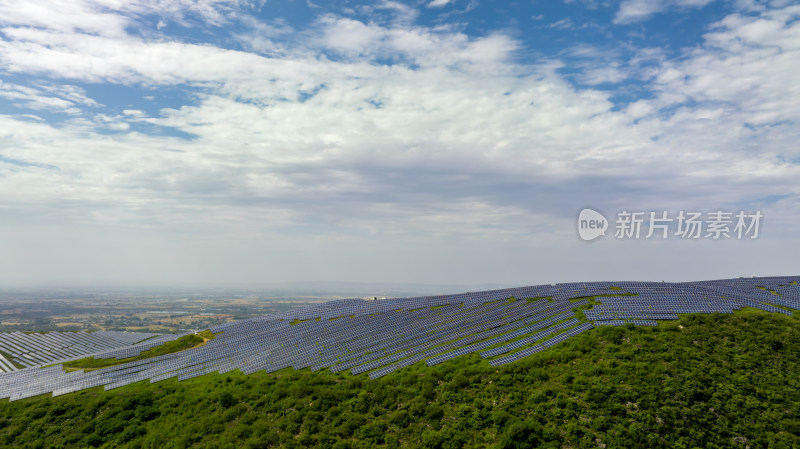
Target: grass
pixel 539 298
pixel 181 344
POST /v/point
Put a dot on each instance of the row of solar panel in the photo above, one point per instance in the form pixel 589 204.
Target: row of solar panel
pixel 542 346
pixel 36 349
pixel 623 322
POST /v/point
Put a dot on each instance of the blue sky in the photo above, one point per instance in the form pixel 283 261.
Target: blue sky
pixel 229 142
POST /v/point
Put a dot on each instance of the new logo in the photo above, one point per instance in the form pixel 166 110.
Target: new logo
pixel 591 224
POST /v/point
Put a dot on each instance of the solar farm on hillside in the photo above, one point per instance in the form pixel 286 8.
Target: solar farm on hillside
pixel 381 336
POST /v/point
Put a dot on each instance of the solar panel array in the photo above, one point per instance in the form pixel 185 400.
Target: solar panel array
pixel 636 301
pixel 29 349
pixel 381 336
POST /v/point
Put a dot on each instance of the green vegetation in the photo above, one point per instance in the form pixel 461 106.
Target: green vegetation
pixel 710 381
pixel 181 344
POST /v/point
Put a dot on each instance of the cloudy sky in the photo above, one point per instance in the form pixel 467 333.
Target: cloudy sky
pixel 226 142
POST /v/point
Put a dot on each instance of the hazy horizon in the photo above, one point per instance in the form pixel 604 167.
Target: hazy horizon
pixel 300 288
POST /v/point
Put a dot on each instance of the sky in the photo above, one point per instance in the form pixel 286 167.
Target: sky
pixel 237 142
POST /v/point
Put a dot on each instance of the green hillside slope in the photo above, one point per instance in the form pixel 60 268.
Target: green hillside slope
pixel 703 381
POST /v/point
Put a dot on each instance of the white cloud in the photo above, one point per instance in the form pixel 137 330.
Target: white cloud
pixel 423 116
pixel 638 10
pixel 563 24
pixel 602 75
pixel 261 37
pixel 138 61
pixel 748 63
pixel 631 11
pixel 112 17
pixel 104 59
pixel 401 13
pixel 64 17
pixel 351 36
pixel 55 98
pixel 639 109
pixel 439 3
pixel 414 45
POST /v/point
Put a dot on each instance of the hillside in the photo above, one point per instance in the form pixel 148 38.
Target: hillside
pixel 383 336
pixel 716 380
